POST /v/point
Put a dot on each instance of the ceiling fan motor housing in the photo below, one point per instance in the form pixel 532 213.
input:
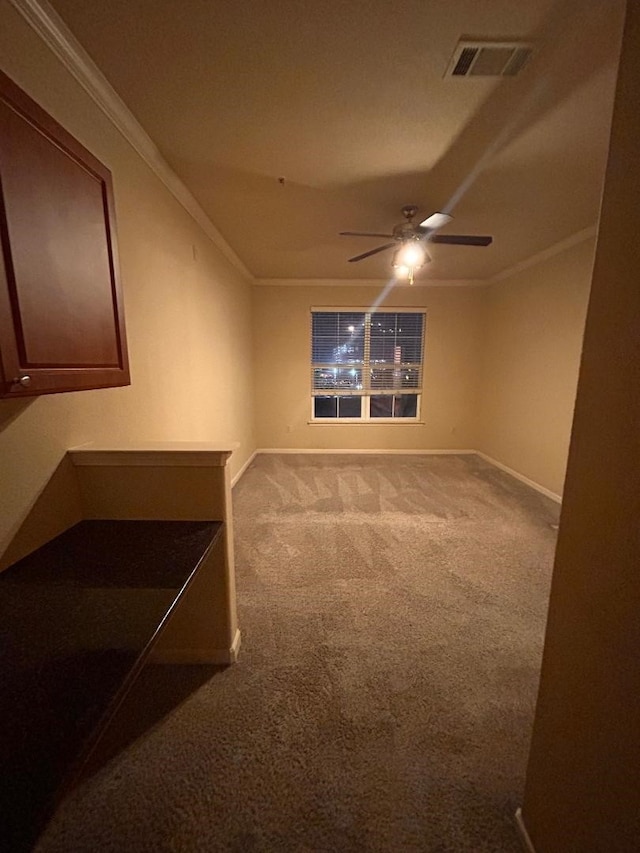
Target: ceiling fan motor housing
pixel 409 211
pixel 407 230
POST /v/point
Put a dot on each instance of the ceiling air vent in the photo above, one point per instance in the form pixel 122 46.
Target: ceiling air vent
pixel 488 59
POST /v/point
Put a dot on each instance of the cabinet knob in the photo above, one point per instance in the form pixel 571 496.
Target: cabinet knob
pixel 25 381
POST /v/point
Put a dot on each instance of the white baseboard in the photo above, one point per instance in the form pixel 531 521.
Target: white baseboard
pixel 234 651
pixel 219 657
pixel 532 483
pixel 244 467
pixel 527 843
pixel 385 451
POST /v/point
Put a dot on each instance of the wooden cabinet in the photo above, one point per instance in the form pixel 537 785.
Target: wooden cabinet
pixel 61 313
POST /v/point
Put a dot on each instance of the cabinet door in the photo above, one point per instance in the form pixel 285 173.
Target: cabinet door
pixel 61 313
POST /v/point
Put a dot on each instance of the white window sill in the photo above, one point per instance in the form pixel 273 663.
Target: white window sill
pixel 362 422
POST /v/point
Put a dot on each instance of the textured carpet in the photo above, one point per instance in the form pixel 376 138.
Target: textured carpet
pixel 392 610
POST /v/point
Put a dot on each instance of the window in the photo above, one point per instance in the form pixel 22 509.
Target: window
pixel 366 365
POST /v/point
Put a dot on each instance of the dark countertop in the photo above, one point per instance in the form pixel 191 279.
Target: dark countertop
pixel 77 620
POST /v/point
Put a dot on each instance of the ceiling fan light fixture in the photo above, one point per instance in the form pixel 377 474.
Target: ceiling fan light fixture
pixel 410 254
pixel 408 259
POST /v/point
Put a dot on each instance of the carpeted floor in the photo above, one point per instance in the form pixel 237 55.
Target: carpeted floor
pixel 392 610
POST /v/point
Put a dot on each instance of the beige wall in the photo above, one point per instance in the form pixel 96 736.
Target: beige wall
pixel 190 338
pixel 188 321
pixel 282 373
pixel 532 339
pixel 582 792
pixel 501 366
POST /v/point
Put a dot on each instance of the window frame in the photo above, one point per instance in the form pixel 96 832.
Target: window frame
pixel 366 395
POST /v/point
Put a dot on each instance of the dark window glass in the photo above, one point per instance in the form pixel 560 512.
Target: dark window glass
pixel 337 407
pixel 325 407
pixel 381 406
pixel 398 406
pixel 349 407
pixel 405 406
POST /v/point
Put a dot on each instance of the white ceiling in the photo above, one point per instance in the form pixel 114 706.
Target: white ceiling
pixel 347 101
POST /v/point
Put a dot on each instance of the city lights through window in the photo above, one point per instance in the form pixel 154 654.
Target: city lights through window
pixel 366 365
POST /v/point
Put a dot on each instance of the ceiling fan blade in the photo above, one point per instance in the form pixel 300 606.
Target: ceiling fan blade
pixel 436 220
pixel 362 234
pixel 372 252
pixel 461 239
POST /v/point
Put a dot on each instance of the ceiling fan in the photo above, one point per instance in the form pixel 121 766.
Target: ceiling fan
pixel 411 254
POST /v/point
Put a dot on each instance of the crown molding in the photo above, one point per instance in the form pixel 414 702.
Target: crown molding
pixel 46 22
pixel 545 254
pixel 367 282
pixel 54 32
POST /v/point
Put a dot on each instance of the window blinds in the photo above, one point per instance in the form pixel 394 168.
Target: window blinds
pixel 360 352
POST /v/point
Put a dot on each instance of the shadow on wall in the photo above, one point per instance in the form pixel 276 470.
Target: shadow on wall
pixel 11 409
pixel 56 508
